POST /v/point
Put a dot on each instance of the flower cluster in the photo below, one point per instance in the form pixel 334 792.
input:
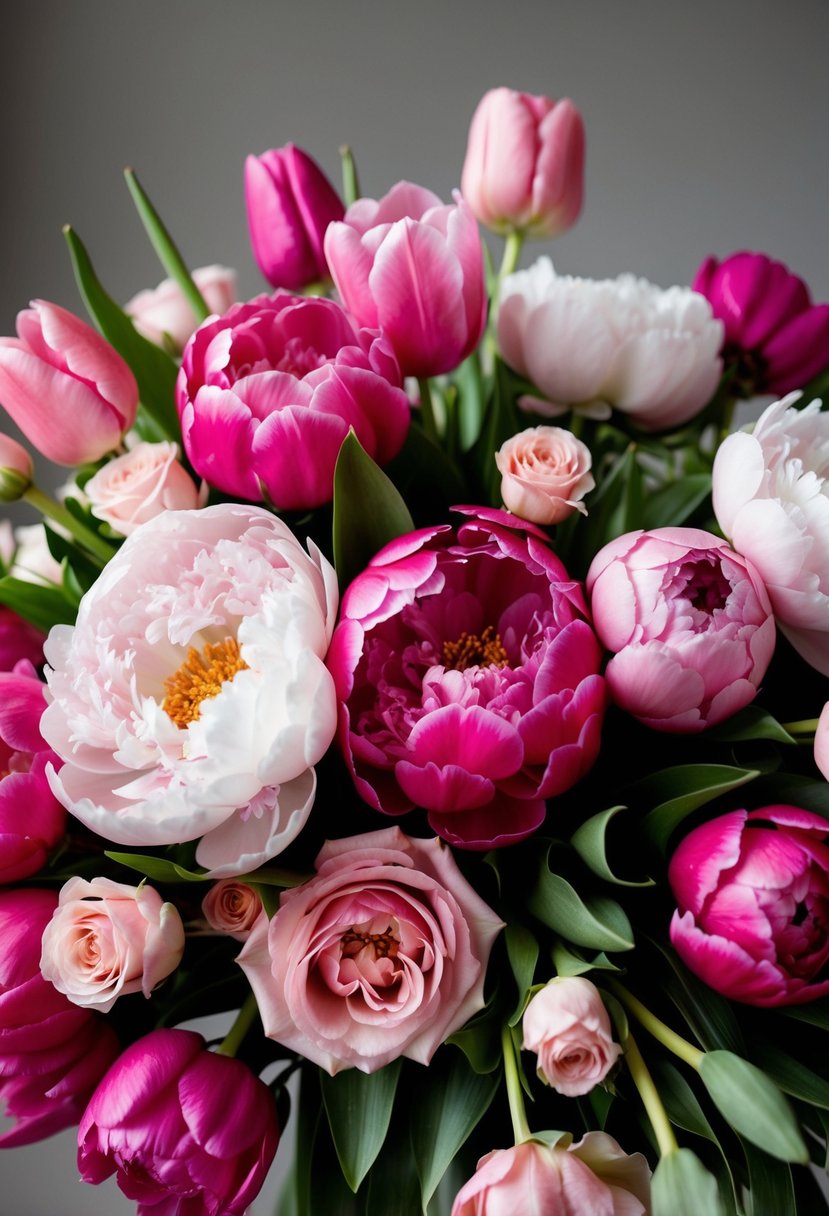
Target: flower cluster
pixel 444 751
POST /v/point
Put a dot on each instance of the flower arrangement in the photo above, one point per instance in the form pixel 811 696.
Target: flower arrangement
pixel 419 669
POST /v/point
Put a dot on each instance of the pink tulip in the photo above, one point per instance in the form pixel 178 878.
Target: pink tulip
pixel 163 315
pixel 16 469
pixel 567 1026
pixel 70 393
pixel 290 203
pixel 189 1132
pixel 52 1054
pixel 524 167
pixel 414 268
pixel 688 622
pixel 468 679
pixel 776 339
pixel 753 895
pixel 267 394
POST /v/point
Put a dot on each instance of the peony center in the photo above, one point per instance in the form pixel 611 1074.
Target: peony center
pixel 483 649
pixel 200 677
pixel 707 589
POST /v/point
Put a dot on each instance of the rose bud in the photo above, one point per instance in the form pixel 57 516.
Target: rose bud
pixel 163 315
pixel 16 469
pixel 567 1026
pixel 545 472
pixel 232 907
pixel 139 485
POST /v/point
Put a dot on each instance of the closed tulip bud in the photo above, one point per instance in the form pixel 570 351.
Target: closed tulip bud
pixel 15 469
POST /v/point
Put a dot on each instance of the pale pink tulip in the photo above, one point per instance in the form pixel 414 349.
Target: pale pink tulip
pixel 163 315
pixel 139 485
pixel 545 473
pixel 567 1026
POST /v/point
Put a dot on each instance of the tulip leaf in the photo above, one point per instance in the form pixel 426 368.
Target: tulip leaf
pixel 159 869
pixel 595 921
pixel 680 1100
pixel 590 843
pixel 682 1186
pixel 444 1116
pixel 749 724
pixel 152 367
pixel 425 476
pixel 393 1177
pixel 569 961
pixel 359 1106
pixel 522 952
pixel 710 1016
pixel 771 1187
pixel 673 504
pixel 41 606
pixel 794 1078
pixel 165 247
pixel 689 786
pixel 750 1101
pixel 500 422
pixel 816 1013
pixel 368 510
pixel 351 182
pixel 469 380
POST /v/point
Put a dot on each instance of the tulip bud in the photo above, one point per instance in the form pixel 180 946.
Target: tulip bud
pixel 290 203
pixel 16 469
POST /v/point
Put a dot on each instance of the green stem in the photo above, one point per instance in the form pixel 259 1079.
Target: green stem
pixel 351 184
pixel 520 1126
pixel 662 1033
pixel 427 408
pixel 642 1079
pixel 244 1020
pixel 806 726
pixel 90 540
pixel 512 252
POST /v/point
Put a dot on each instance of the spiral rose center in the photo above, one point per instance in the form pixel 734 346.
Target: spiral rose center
pixel 200 677
pixel 483 649
pixel 382 945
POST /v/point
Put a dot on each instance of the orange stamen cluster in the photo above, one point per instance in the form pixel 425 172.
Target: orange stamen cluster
pixel 200 677
pixel 475 650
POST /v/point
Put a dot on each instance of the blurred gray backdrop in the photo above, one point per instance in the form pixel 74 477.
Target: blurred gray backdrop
pixel 706 133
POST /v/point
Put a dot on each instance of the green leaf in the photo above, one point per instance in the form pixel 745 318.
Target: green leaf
pixel 749 724
pixel 425 476
pixel 670 506
pixel 522 952
pixel 710 1016
pixel 470 401
pixel 359 1106
pixel 590 842
pixel 392 1180
pixel 480 1038
pixel 368 510
pixel 682 1186
pixel 816 1013
pixel 793 1077
pixel 351 183
pixel 771 1189
pixel 569 961
pixel 594 921
pixel 680 1100
pixel 753 1105
pixel 452 1102
pixel 163 244
pixel 159 869
pixel 154 370
pixel 500 423
pixel 40 605
pixel 689 786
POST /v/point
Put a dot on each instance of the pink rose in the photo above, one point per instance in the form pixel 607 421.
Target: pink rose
pixel 567 1026
pixel 232 907
pixel 139 485
pixel 545 472
pixel 590 1178
pixel 383 954
pixel 163 315
pixel 107 939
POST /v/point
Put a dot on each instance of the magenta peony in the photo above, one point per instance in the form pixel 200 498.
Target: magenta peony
pixel 568 1028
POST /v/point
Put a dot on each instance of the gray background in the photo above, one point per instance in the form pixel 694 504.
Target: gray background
pixel 706 128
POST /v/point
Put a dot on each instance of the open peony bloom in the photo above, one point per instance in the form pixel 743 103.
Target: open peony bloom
pixel 382 954
pixel 567 1026
pixel 771 499
pixel 189 1132
pixel 163 315
pixel 468 679
pixel 652 354
pixel 688 622
pixel 753 895
pixel 776 339
pixel 413 267
pixel 545 473
pixel 593 1177
pixel 267 394
pixel 191 698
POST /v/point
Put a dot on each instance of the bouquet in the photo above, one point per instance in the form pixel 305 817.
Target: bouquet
pixel 420 670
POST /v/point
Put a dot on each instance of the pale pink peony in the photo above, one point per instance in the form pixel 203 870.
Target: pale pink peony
pixel 382 954
pixel 593 1177
pixel 771 499
pixel 468 679
pixel 232 908
pixel 107 939
pixel 822 742
pixel 163 315
pixel 567 1026
pixel 191 698
pixel 33 560
pixel 688 622
pixel 545 473
pixel 139 485
pixel 753 895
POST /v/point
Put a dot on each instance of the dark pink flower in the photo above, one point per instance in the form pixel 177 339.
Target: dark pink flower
pixel 775 337
pixel 190 1132
pixel 753 895
pixel 267 394
pixel 468 679
pixel 18 640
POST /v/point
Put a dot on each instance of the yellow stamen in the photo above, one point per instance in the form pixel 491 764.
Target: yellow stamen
pixel 475 650
pixel 201 676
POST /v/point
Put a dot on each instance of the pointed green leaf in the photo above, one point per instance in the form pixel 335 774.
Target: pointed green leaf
pixel 569 961
pixel 159 869
pixel 682 1186
pixel 753 1105
pixel 480 1038
pixel 771 1189
pixel 351 182
pixel 522 952
pixel 680 1100
pixel 794 1078
pixel 816 1013
pixel 368 510
pixel 594 921
pixel 392 1180
pixel 165 247
pixel 697 784
pixel 749 724
pixel 674 503
pixel 470 384
pixel 710 1016
pixel 359 1106
pixel 590 842
pixel 41 606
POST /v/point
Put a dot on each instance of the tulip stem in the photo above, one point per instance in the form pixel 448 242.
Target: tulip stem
pixel 662 1033
pixel 520 1126
pixel 244 1020
pixel 806 726
pixel 427 409
pixel 512 252
pixel 90 540
pixel 642 1079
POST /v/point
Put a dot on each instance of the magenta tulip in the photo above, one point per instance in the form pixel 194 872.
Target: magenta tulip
pixel 70 393
pixel 753 895
pixel 414 268
pixel 290 203
pixel 190 1132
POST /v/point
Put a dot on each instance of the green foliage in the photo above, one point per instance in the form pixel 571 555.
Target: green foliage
pixel 359 1106
pixel 368 510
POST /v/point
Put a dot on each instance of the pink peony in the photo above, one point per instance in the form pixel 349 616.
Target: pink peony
pixel 468 679
pixel 383 954
pixel 52 1054
pixel 267 394
pixel 232 907
pixel 753 895
pixel 163 315
pixel 567 1026
pixel 191 698
pixel 414 268
pixel 545 473
pixel 189 1132
pixel 590 1178
pixel 107 939
pixel 688 622
pixel 139 485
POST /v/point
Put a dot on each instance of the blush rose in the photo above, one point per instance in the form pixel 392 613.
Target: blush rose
pixel 141 484
pixel 545 472
pixel 232 908
pixel 567 1026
